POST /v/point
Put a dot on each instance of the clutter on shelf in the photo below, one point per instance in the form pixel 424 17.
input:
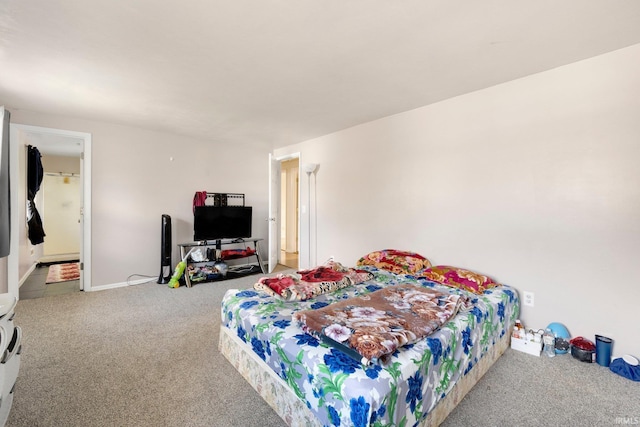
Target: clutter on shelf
pixel 209 254
pixel 207 261
pixel 206 273
pixel 217 269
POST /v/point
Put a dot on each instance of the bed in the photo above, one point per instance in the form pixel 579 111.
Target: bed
pixel 310 382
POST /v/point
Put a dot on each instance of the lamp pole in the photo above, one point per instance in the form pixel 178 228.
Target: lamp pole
pixel 309 168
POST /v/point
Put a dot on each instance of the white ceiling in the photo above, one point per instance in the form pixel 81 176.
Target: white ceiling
pixel 278 72
pixel 51 144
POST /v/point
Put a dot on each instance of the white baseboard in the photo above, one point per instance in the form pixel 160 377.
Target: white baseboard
pixel 27 274
pixel 93 288
pixel 59 257
pixel 122 284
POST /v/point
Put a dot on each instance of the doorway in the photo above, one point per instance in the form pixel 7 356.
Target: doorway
pixel 76 146
pixel 61 203
pixel 284 212
pixel 289 202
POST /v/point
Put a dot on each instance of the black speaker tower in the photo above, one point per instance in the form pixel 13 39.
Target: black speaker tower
pixel 165 250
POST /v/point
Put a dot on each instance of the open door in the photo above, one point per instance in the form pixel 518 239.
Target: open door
pixel 276 197
pixel 274 212
pixel 80 144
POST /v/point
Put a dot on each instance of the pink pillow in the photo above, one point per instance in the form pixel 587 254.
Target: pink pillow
pixel 400 262
pixel 459 278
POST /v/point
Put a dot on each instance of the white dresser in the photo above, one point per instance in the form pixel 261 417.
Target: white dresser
pixel 10 347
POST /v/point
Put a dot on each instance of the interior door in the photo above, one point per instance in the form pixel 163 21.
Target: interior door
pixel 274 211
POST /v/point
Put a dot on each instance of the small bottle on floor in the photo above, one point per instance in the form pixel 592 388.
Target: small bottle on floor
pixel 549 341
pixel 518 330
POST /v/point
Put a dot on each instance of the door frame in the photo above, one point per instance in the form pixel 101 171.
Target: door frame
pixel 274 218
pixel 16 169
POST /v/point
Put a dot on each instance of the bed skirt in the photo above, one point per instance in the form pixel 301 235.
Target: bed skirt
pixel 295 413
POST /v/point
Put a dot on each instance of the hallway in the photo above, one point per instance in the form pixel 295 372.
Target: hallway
pixel 35 286
pixel 290 259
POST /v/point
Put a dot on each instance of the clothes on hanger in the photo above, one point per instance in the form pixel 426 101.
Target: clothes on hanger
pixel 35 174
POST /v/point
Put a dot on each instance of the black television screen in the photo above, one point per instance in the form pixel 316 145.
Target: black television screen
pixel 221 222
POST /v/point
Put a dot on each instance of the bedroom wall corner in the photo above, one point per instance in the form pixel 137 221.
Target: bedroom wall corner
pixel 533 182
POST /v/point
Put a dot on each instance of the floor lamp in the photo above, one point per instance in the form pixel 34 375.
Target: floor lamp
pixel 309 168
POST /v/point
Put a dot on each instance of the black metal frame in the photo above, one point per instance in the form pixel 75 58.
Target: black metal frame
pixel 222 199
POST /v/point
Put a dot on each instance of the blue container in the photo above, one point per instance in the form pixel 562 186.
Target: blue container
pixel 603 350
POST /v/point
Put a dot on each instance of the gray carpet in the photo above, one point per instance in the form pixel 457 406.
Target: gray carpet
pixel 147 355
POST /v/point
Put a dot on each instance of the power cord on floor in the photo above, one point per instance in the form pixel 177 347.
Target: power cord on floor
pixel 241 268
pixel 151 278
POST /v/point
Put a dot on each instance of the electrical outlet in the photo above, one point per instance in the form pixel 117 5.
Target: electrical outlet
pixel 528 298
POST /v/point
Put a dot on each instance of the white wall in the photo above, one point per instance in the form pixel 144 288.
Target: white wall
pixel 60 164
pixel 534 182
pixel 134 182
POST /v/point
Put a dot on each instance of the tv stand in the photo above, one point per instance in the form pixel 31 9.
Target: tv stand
pixel 201 271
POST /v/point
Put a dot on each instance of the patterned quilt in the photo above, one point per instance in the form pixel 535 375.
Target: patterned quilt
pixel 306 284
pixel 339 389
pixel 371 327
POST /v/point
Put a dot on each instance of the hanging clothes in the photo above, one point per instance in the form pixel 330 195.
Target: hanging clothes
pixel 34 222
pixel 199 199
pixel 35 171
pixel 35 174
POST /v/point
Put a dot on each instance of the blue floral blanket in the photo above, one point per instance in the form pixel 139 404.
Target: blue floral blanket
pixel 339 389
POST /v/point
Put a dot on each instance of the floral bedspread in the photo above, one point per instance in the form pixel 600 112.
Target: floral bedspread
pixel 307 284
pixel 339 389
pixel 371 327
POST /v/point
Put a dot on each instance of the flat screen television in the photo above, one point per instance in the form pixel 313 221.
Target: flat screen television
pixel 221 222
